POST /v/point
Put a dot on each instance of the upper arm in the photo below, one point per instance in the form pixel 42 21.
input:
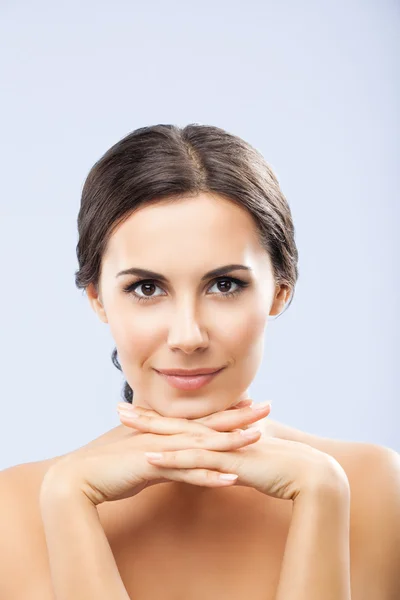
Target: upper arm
pixel 375 568
pixel 22 545
pixel 10 538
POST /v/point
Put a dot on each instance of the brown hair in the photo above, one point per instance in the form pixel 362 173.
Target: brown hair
pixel 165 161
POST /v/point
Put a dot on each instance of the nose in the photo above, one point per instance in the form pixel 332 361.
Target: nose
pixel 186 332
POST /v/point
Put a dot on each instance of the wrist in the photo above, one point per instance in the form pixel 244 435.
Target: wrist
pixel 58 484
pixel 329 481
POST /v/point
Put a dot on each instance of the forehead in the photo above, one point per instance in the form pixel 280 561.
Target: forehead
pixel 176 230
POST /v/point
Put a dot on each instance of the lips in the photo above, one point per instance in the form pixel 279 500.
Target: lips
pixel 189 372
pixel 190 382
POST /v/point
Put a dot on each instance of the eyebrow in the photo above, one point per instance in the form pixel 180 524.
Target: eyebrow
pixel 152 275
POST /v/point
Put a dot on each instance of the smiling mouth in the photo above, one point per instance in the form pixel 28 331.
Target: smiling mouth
pixel 189 372
pixel 189 382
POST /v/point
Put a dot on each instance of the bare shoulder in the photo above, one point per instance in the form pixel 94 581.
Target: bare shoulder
pixel 23 565
pixel 368 466
pixel 22 540
pixel 373 472
pixel 351 455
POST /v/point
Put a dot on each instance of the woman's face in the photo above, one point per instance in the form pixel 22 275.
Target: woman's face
pixel 187 320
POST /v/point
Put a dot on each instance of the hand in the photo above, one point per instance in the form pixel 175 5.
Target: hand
pixel 276 467
pixel 225 420
pixel 119 469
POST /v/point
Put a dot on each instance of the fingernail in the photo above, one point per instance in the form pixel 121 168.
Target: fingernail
pixel 250 432
pixel 128 413
pixel 228 476
pixel 154 455
pixel 124 406
pixel 260 406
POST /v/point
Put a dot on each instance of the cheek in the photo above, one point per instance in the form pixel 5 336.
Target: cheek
pixel 250 341
pixel 132 338
pixel 246 331
pixel 132 333
pixel 244 343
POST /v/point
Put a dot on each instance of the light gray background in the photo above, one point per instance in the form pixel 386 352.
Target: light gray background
pixel 314 86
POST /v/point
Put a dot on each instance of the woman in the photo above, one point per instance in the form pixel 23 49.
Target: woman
pixel 186 247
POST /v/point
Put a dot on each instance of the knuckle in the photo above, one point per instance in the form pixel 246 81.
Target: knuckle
pixel 234 436
pixel 234 466
pixel 171 458
pixel 185 474
pixel 198 438
pixel 210 476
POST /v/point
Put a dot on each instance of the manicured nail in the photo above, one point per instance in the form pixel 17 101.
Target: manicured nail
pixel 260 406
pixel 128 413
pixel 228 477
pixel 124 406
pixel 250 432
pixel 154 455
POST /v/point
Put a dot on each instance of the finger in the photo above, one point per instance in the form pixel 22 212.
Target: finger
pixel 232 419
pixel 162 425
pixel 197 458
pixel 242 404
pixel 181 433
pixel 222 442
pixel 126 413
pixel 202 477
pixel 148 411
pixel 127 406
pixel 222 421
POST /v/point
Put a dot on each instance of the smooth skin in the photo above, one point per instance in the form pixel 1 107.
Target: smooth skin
pixel 192 323
pixel 186 322
pixel 119 469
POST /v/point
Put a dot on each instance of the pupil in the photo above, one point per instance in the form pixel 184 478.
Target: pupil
pixel 224 283
pixel 147 285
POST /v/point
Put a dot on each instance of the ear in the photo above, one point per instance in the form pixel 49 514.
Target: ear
pixel 96 302
pixel 282 295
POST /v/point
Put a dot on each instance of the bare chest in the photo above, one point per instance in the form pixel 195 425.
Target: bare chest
pixel 231 548
pixel 228 547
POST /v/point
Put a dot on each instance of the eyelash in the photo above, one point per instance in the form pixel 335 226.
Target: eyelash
pixel 129 289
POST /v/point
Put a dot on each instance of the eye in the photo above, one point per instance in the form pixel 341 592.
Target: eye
pixel 150 284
